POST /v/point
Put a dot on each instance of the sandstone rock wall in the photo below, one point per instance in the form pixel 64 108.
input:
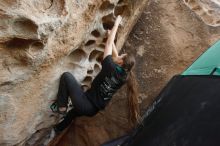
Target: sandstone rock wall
pixel 207 10
pixel 39 40
pixel 167 38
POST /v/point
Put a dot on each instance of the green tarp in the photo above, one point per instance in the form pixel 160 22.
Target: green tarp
pixel 207 63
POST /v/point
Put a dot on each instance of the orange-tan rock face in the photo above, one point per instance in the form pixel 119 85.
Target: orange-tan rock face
pixel 39 40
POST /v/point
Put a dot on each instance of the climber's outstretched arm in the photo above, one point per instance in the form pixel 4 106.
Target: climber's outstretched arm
pixel 111 37
pixel 114 51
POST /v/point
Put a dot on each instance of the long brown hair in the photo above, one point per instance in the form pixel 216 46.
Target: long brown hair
pixel 132 89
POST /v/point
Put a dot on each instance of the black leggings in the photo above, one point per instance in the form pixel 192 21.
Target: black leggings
pixel 82 106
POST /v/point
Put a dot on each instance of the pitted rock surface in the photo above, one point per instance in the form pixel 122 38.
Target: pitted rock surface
pixel 207 10
pixel 39 40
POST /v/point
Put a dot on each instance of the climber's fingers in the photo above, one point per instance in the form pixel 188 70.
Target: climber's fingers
pixel 51 101
pixel 118 20
pixel 108 32
pixel 122 56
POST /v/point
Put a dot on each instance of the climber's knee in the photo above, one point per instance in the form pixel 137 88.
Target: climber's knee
pixel 66 74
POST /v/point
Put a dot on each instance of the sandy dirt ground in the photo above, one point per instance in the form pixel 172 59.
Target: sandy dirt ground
pixel 167 38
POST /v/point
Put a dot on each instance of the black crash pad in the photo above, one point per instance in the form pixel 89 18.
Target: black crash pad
pixel 186 113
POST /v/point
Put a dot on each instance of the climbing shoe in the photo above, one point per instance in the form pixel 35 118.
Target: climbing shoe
pixel 55 108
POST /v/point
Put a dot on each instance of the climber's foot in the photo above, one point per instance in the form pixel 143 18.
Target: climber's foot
pixel 61 110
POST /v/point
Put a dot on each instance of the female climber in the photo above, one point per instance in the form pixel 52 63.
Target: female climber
pixel 116 70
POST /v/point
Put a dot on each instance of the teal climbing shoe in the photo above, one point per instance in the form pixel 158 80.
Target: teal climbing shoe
pixel 55 108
